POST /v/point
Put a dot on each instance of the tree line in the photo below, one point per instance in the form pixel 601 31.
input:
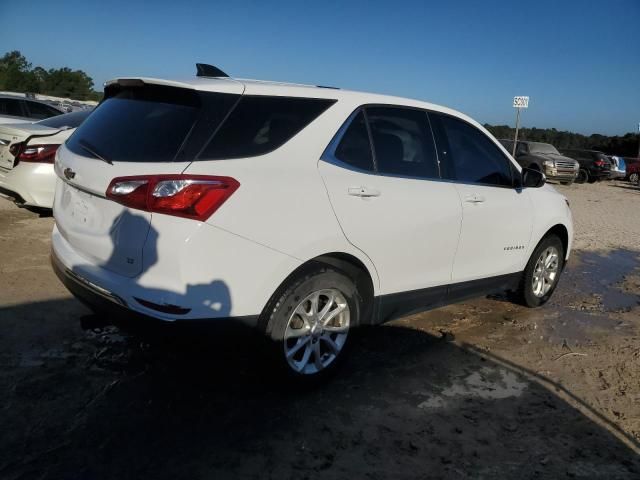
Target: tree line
pixel 18 75
pixel 624 146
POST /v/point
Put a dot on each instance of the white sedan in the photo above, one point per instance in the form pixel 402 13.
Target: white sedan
pixel 27 151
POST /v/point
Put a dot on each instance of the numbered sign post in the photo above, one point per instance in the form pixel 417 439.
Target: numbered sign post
pixel 518 103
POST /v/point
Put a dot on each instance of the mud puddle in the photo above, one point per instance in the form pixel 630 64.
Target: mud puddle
pixel 601 276
pixel 596 294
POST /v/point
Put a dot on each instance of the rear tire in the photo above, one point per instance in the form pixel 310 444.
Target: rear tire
pixel 541 275
pixel 582 177
pixel 308 321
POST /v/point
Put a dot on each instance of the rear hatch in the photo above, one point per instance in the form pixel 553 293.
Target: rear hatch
pixel 15 133
pixel 141 128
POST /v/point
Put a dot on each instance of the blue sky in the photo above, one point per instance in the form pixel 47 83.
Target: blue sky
pixel 579 61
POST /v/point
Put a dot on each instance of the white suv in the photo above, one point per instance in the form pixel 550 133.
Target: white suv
pixel 302 211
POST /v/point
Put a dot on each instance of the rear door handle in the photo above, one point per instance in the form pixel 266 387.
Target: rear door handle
pixel 474 198
pixel 364 192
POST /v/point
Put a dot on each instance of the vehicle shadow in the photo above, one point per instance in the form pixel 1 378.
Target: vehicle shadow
pixel 629 186
pixel 405 404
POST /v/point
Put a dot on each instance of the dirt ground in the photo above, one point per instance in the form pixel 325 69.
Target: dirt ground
pixel 484 389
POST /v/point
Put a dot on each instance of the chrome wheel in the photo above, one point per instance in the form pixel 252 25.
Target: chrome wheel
pixel 633 178
pixel 316 331
pixel 545 272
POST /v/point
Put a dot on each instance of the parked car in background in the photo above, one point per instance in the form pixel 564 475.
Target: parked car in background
pixel 545 158
pixel 27 151
pixel 633 169
pixel 594 165
pixel 618 167
pixel 301 211
pixel 18 109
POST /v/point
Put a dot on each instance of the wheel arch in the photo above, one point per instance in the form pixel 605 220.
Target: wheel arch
pixel 561 232
pixel 352 266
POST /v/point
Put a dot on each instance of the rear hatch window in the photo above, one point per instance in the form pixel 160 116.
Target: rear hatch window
pixel 145 124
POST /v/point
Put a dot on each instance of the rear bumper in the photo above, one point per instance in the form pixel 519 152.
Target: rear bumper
pixel 31 184
pixel 114 308
pixel 190 271
pixel 600 174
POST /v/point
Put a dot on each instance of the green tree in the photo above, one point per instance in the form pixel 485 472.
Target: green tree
pixel 16 74
pixel 64 82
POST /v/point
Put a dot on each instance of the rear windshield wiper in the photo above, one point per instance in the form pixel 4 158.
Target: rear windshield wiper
pixel 87 147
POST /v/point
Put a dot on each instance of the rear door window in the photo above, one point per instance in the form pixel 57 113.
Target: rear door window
pixel 41 111
pixel 12 107
pixel 470 155
pixel 402 142
pixel 354 147
pixel 261 124
pixel 145 124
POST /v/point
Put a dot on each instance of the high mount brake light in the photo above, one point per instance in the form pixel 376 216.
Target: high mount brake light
pixel 189 196
pixel 34 153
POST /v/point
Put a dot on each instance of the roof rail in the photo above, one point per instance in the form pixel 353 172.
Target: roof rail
pixel 205 70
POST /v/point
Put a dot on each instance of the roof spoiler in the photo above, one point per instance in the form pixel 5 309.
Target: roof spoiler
pixel 205 70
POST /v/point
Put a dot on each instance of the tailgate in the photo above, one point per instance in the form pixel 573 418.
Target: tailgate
pixel 104 232
pixel 137 130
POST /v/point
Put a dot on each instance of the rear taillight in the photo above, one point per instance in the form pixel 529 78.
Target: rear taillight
pixel 190 196
pixel 599 163
pixel 34 153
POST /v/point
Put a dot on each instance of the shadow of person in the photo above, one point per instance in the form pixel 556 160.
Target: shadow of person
pixel 133 251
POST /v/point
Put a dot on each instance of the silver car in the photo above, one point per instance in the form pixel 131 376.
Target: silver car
pixel 15 109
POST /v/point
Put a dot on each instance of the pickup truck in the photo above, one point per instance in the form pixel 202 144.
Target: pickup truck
pixel 545 158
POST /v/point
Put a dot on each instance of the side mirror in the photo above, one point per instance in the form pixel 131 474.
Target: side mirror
pixel 533 178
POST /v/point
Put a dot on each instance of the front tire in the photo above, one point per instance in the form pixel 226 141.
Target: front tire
pixel 634 177
pixel 308 322
pixel 541 275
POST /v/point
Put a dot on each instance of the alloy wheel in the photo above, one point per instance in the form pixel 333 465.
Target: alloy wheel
pixel 317 331
pixel 545 272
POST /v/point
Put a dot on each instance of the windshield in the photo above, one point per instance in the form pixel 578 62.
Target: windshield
pixel 69 120
pixel 535 147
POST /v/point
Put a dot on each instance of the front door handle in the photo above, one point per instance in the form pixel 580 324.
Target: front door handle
pixel 474 198
pixel 364 192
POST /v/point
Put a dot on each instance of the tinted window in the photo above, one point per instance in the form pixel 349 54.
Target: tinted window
pixel 354 148
pixel 9 106
pixel 70 120
pixel 144 124
pixel 260 124
pixel 402 142
pixel 40 110
pixel 471 156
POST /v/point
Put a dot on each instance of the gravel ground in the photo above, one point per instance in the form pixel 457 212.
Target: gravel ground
pixel 484 389
pixel 606 215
